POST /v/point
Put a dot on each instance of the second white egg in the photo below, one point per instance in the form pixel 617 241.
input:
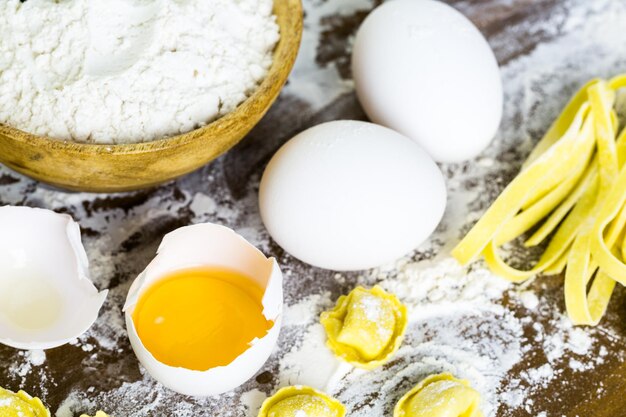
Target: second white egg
pixel 351 195
pixel 423 69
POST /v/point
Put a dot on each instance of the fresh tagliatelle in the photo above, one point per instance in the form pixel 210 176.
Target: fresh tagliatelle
pixel 572 189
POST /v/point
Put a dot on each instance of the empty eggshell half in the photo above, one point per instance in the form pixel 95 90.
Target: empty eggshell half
pixel 46 296
pixel 210 245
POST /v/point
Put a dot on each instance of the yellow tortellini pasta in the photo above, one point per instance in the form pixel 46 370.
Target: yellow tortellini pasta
pixel 301 401
pixel 21 404
pixel 440 395
pixel 366 327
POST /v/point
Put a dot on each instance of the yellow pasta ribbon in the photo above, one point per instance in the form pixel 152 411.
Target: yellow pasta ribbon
pixel 561 124
pixel 573 187
pixel 612 211
pixel 546 169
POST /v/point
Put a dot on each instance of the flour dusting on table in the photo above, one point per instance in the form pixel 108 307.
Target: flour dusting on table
pixel 511 342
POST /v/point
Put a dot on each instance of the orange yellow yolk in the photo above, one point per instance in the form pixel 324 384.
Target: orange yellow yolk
pixel 199 319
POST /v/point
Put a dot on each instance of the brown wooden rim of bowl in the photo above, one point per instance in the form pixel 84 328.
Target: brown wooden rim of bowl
pixel 294 36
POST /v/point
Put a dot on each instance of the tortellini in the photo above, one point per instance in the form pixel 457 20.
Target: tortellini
pixel 440 395
pixel 301 401
pixel 366 327
pixel 21 404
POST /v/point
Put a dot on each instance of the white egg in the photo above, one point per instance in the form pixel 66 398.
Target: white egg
pixel 210 245
pixel 46 297
pixel 424 70
pixel 351 195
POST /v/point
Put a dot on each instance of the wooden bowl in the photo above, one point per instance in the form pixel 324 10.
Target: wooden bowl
pixel 111 168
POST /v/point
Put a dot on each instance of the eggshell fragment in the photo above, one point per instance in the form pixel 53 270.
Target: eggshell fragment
pixel 214 246
pixel 46 297
pixel 440 395
pixel 299 401
pixel 366 327
pixel 424 70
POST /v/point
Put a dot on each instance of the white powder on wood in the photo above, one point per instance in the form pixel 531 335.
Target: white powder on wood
pixel 129 70
pixel 36 357
pixel 457 321
pixel 446 333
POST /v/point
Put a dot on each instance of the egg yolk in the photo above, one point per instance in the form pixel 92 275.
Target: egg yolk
pixel 199 319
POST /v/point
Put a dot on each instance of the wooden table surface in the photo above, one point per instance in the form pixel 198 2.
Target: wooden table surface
pixel 121 233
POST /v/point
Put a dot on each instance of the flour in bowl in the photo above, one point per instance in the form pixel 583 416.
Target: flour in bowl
pixel 126 71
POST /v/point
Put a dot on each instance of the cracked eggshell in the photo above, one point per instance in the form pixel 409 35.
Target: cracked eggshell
pixel 46 296
pixel 215 246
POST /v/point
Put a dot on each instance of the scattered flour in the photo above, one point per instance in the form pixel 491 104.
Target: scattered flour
pixel 529 299
pixel 252 401
pixel 566 348
pixel 320 85
pixel 32 359
pixel 202 205
pixel 442 298
pixel 440 293
pixel 129 70
pixel 36 357
pixel 458 322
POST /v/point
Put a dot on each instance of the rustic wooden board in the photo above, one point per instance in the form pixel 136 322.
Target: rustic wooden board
pixel 143 217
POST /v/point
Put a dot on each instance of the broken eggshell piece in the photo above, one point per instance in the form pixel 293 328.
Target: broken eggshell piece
pixel 46 296
pixel 210 245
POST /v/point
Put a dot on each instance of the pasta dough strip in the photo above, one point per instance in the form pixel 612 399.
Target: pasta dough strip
pixel 498 265
pixel 578 272
pixel 526 219
pixel 601 99
pixel 584 206
pixel 557 216
pixel 516 193
pixel 613 204
pixel 559 265
pixel 558 247
pixel 561 124
pixel 585 308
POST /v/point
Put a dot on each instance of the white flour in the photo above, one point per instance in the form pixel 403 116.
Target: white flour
pixel 129 70
pixel 441 297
